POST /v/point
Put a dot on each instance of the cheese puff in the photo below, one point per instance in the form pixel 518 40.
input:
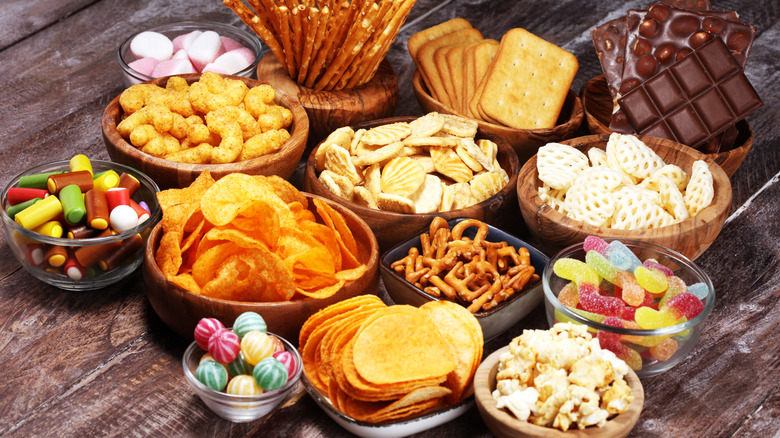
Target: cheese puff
pixel 141 135
pixel 161 145
pixel 158 116
pixel 200 154
pixel 257 99
pixel 204 100
pixel 249 126
pixel 213 82
pixel 265 143
pixel 284 114
pixel 135 97
pixel 270 121
pixel 176 101
pixel 198 134
pixel 232 138
pixel 180 128
pixel 177 83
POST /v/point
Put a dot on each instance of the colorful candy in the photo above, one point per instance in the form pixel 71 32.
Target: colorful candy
pixel 243 384
pixel 288 360
pixel 205 328
pixel 224 346
pixel 239 366
pixel 212 374
pixel 247 322
pixel 270 374
pixel 256 346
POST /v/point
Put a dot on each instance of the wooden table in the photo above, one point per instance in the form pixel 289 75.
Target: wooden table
pixel 102 363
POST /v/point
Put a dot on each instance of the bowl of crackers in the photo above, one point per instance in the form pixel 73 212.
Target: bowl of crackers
pixel 173 128
pixel 381 370
pixel 624 187
pixel 399 173
pixel 518 88
pixel 254 243
pixel 491 273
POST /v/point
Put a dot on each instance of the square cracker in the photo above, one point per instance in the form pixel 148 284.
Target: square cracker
pixel 484 52
pixel 528 81
pixel 417 40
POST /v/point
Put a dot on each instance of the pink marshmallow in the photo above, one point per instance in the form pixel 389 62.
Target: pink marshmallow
pixel 185 41
pixel 181 54
pixel 214 68
pixel 151 45
pixel 230 44
pixel 205 49
pixel 173 67
pixel 235 60
pixel 145 66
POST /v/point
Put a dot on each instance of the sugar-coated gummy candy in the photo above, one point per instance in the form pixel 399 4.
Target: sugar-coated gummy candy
pixel 257 346
pixel 568 296
pixel 664 350
pixel 288 360
pixel 676 287
pixel 239 366
pixel 224 346
pixel 243 384
pixel 591 301
pixel 588 315
pixel 700 290
pixel 685 304
pixel 622 257
pixel 595 243
pixel 576 271
pixel 653 264
pixel 212 374
pixel 270 374
pixel 602 266
pixel 247 322
pixel 205 328
pixel 649 318
pixel 652 280
pixel 631 292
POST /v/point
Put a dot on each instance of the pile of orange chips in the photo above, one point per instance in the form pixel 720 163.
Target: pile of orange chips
pixel 379 363
pixel 253 238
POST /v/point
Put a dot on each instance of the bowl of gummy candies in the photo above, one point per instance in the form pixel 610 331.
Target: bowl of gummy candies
pixel 79 224
pixel 241 373
pixel 644 302
pixel 188 47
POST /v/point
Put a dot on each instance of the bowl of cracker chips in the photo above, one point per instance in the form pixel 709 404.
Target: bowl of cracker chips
pixel 254 243
pixel 624 187
pixel 399 173
pixel 174 128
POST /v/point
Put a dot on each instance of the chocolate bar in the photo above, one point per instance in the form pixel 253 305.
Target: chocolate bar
pixel 695 99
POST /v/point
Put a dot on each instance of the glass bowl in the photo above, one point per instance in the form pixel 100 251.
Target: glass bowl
pixel 29 247
pixel 238 408
pixel 685 334
pixel 247 39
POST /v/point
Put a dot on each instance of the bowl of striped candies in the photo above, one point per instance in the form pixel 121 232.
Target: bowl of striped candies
pixel 241 373
pixel 79 224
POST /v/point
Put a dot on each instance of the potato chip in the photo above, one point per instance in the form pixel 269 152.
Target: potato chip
pixel 224 200
pixel 334 220
pixel 253 275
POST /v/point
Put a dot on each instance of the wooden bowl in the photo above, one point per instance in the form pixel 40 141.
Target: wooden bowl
pixel 525 142
pixel 170 174
pixel 181 310
pixel 503 424
pixel 690 237
pixel 597 102
pixel 329 110
pixel 391 228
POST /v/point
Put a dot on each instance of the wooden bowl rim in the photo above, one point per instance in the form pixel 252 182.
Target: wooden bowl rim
pixel 487 404
pixel 573 122
pixel 296 143
pixel 535 203
pixel 503 148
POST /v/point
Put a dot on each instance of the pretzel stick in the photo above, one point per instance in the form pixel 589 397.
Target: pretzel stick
pixel 286 38
pixel 342 15
pixel 367 72
pixel 251 20
pixel 311 34
pixel 355 59
pixel 299 32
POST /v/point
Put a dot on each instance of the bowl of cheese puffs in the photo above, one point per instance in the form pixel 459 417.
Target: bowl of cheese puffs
pixel 173 128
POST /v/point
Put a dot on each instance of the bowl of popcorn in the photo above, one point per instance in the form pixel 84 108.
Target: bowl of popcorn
pixel 254 243
pixel 399 173
pixel 188 47
pixel 646 303
pixel 244 372
pixel 173 128
pixel 557 383
pixel 494 275
pixel 79 224
pixel 625 187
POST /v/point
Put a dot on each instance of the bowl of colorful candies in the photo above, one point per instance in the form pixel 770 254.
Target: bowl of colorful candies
pixel 644 302
pixel 241 373
pixel 80 224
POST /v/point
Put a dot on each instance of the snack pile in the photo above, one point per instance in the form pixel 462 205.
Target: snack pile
pixel 675 71
pixel 431 164
pixel 475 273
pixel 214 120
pixel 626 187
pixel 253 238
pixel 561 378
pixel 521 82
pixel 381 364
pixel 326 45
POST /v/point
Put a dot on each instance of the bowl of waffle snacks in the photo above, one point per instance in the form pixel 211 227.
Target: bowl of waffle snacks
pixel 625 187
pixel 254 243
pixel 375 368
pixel 517 88
pixel 580 389
pixel 494 275
pixel 399 173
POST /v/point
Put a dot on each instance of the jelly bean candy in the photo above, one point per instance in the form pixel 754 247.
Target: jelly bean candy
pixel 288 360
pixel 239 366
pixel 601 265
pixel 622 257
pixel 576 271
pixel 653 264
pixel 212 374
pixel 224 346
pixel 664 350
pixel 243 384
pixel 685 304
pixel 248 321
pixel 591 301
pixel 700 290
pixel 568 296
pixel 595 243
pixel 648 318
pixel 652 280
pixel 631 292
pixel 256 346
pixel 205 328
pixel 270 374
pixel 676 287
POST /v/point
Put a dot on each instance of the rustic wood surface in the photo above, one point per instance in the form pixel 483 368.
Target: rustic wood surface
pixel 103 364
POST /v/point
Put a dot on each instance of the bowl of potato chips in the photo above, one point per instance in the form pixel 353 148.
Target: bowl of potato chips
pixel 399 173
pixel 624 187
pixel 174 128
pixel 254 243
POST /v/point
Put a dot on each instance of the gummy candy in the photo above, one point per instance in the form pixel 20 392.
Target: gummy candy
pixel 212 374
pixel 576 271
pixel 205 328
pixel 676 287
pixel 601 265
pixel 270 374
pixel 652 280
pixel 256 346
pixel 648 318
pixel 653 264
pixel 664 350
pixel 243 384
pixel 248 321
pixel 591 301
pixel 685 304
pixel 568 296
pixel 622 257
pixel 224 346
pixel 611 342
pixel 595 243
pixel 700 290
pixel 588 315
pixel 633 294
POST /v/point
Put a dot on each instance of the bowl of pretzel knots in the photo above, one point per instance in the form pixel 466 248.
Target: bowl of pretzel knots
pixel 495 275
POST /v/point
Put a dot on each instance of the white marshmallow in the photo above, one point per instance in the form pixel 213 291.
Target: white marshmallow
pixel 185 41
pixel 173 67
pixel 235 60
pixel 214 68
pixel 144 66
pixel 205 49
pixel 151 45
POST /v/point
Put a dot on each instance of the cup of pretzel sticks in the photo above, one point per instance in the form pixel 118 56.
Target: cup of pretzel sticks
pixel 493 274
pixel 329 54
